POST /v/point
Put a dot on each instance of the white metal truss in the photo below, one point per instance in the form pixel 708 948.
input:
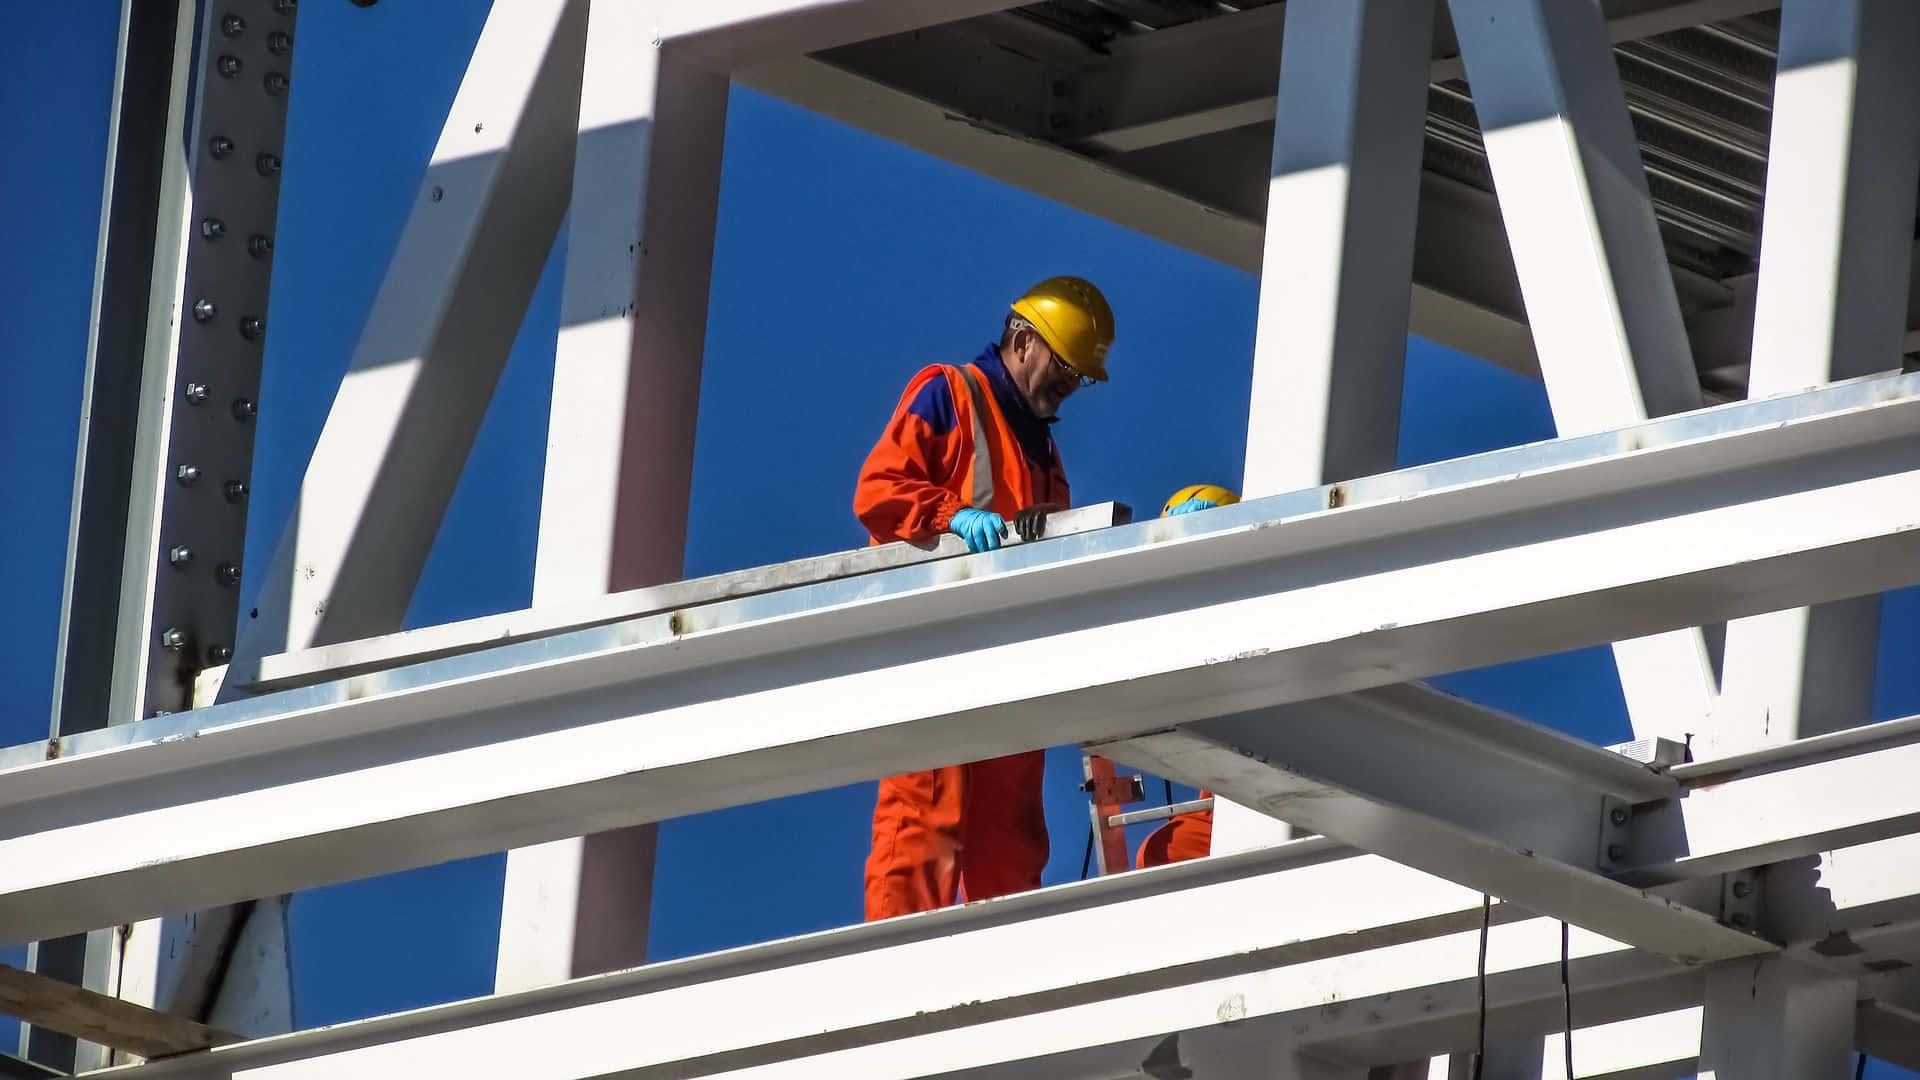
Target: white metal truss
pixel 1273 601
pixel 1751 913
pixel 1830 304
pixel 626 392
pixel 1588 253
pixel 1342 199
pixel 435 342
pixel 1260 942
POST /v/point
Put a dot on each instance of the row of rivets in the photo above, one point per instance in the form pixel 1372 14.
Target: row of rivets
pixel 230 65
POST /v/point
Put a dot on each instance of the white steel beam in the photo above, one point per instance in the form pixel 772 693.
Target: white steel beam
pixel 1034 990
pixel 1415 775
pixel 436 339
pixel 1441 311
pixel 119 462
pixel 1207 76
pixel 727 34
pixel 1773 1018
pixel 1342 197
pixel 1434 569
pixel 101 662
pixel 1367 1013
pixel 1344 189
pixel 1831 304
pixel 1029 164
pixel 1258 940
pixel 1182 82
pixel 1663 1046
pixel 1808 797
pixel 1844 159
pixel 147 484
pixel 1848 910
pixel 395 441
pixel 1633 1027
pixel 1592 267
pixel 559 616
pixel 1439 784
pixel 619 464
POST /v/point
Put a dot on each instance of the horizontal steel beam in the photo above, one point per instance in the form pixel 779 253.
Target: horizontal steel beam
pixel 309 666
pixel 1165 133
pixel 1353 958
pixel 1466 310
pixel 1263 934
pixel 1745 508
pixel 1266 937
pixel 1217 74
pixel 1487 800
pixel 1471 795
pixel 1789 802
pixel 724 34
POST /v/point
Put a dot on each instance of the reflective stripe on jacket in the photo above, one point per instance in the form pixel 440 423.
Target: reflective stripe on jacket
pixel 925 468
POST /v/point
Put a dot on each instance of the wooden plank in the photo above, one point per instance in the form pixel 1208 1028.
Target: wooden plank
pixel 72 1010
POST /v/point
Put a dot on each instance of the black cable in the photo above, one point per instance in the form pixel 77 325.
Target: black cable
pixel 1169 784
pixel 1486 927
pixel 1566 995
pixel 1860 1068
pixel 1086 861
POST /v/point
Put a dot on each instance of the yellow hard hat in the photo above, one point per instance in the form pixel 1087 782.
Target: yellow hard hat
pixel 1213 493
pixel 1073 319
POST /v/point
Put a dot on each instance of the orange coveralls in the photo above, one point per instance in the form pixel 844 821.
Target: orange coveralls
pixel 976 830
pixel 1183 837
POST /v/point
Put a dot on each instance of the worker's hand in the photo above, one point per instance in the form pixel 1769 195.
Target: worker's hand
pixel 1191 505
pixel 981 529
pixel 1031 523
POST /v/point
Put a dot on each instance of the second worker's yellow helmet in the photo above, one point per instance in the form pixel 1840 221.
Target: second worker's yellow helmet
pixel 1212 493
pixel 1073 319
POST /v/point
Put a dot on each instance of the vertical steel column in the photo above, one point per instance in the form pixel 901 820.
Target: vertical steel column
pixel 141 217
pixel 1835 253
pixel 1593 271
pixel 1774 1019
pixel 620 442
pixel 1337 275
pixel 139 149
pixel 202 405
pixel 1331 344
pixel 397 436
pixel 204 372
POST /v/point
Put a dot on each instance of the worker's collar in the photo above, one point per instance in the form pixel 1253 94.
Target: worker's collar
pixel 1012 401
pixel 1036 444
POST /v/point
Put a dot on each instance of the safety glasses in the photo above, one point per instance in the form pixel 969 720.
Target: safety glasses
pixel 1067 369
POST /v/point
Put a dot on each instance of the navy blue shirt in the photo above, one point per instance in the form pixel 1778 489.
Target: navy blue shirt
pixel 934 404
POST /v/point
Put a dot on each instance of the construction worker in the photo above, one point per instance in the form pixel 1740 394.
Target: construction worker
pixel 1185 836
pixel 967 451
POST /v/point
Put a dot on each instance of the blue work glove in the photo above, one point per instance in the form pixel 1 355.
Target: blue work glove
pixel 981 529
pixel 1191 505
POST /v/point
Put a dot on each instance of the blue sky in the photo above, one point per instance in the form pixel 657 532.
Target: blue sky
pixel 843 263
